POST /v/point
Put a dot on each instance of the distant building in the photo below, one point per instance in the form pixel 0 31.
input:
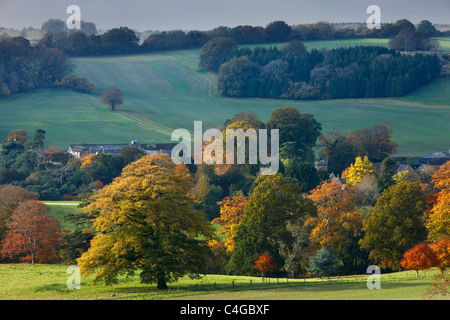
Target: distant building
pixel 321 164
pixel 434 159
pixel 401 167
pixel 337 179
pixel 82 150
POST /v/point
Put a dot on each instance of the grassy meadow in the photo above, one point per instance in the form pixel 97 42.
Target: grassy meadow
pixel 57 210
pixel 49 282
pixel 165 91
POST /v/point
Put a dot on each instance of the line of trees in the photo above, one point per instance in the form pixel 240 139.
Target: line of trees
pixel 24 68
pixel 289 73
pixel 292 72
pixel 124 40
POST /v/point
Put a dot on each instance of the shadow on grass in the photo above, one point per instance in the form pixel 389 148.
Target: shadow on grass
pixel 55 287
pixel 394 290
pixel 328 287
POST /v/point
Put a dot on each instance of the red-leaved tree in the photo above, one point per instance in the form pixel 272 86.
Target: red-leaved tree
pixel 32 236
pixel 420 257
pixel 264 264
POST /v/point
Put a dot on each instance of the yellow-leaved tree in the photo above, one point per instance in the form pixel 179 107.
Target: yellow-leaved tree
pixel 438 223
pixel 146 222
pixel 232 210
pixel 358 170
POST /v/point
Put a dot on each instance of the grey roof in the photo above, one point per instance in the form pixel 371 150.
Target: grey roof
pixel 437 155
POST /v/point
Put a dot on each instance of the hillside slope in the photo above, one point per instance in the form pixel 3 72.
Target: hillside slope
pixel 166 91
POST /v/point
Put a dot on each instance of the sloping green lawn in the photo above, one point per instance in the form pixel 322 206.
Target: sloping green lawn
pixel 166 91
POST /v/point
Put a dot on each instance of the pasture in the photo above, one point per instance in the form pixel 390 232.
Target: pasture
pixel 57 210
pixel 167 90
pixel 49 282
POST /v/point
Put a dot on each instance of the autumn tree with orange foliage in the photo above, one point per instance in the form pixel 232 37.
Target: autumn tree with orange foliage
pixel 10 197
pixel 438 223
pixel 442 251
pixel 17 135
pixel 87 160
pixel 420 257
pixel 338 225
pixel 232 210
pixel 32 235
pixel 215 150
pixel 264 264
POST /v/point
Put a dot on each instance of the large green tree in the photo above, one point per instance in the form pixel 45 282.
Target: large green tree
pixel 146 221
pixel 235 77
pixel 301 128
pixel 120 41
pixel 214 52
pixel 386 176
pixel 267 226
pixel 396 224
pixel 278 31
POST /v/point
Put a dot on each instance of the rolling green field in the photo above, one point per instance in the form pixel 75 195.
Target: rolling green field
pixel 57 210
pixel 166 91
pixel 49 282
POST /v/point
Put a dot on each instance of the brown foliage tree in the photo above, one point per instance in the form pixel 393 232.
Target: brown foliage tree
pixel 112 97
pixel 373 142
pixel 10 197
pixel 442 251
pixel 232 210
pixel 32 235
pixel 338 225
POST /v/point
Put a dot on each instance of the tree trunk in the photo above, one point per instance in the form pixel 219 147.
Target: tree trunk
pixel 162 283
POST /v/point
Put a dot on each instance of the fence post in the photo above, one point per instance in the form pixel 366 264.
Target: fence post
pixel 232 284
